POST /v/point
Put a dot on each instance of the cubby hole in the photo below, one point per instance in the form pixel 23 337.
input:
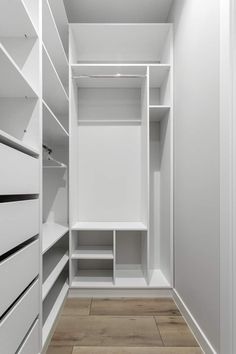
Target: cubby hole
pixel 159 81
pixel 131 259
pixel 92 245
pixel 92 273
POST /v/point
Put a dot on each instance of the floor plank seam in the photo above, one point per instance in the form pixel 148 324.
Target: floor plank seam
pixel 158 330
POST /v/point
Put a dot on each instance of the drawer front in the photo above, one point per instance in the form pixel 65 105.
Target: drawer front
pixel 31 343
pixel 17 272
pixel 19 221
pixel 19 172
pixel 16 324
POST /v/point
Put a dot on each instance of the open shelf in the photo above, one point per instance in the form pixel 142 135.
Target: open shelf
pixel 120 43
pixel 54 132
pixel 93 278
pixel 157 75
pixel 53 44
pixel 130 278
pixel 54 93
pixel 158 280
pixel 157 113
pixel 110 226
pixel 52 305
pixel 93 252
pixel 17 144
pixel 54 262
pixel 18 25
pixel 52 233
pixel 13 83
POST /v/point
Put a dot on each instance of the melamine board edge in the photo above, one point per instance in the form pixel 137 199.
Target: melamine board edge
pixel 17 144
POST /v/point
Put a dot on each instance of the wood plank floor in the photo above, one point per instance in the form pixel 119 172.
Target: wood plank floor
pixel 122 326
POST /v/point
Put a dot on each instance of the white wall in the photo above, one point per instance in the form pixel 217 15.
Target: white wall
pixel 196 226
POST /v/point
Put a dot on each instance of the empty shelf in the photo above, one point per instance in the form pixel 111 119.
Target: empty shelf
pixel 17 144
pixel 53 265
pixel 13 83
pixel 126 226
pixel 93 252
pixel 92 278
pixel 53 43
pixel 52 233
pixel 130 278
pixel 157 113
pixel 158 280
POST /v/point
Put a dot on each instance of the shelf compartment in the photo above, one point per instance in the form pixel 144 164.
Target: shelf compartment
pixel 53 44
pixel 92 245
pixel 54 93
pixel 54 132
pixel 110 226
pixel 13 83
pixel 157 113
pixel 158 280
pixel 53 304
pixel 26 262
pixel 52 233
pixel 119 43
pixel 54 261
pixel 92 273
pixel 160 85
pixel 20 24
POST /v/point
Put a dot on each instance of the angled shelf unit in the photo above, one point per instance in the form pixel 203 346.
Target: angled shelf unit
pixel 53 44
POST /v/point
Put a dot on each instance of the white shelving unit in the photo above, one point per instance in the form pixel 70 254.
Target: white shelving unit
pixel 52 233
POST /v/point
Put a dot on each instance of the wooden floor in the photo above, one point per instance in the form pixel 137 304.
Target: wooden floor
pixel 122 326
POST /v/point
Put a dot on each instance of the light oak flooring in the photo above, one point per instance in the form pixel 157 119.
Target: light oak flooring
pixel 122 326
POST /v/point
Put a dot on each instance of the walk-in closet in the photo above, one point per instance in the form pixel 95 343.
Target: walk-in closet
pixel 111 149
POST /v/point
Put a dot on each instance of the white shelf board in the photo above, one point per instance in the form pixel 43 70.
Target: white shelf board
pixel 117 43
pixel 93 278
pixel 114 121
pixel 158 280
pixel 157 75
pixel 12 83
pixel 15 20
pixel 52 233
pixel 157 113
pixel 17 144
pixel 93 252
pixel 53 265
pixel 54 132
pixel 54 93
pixel 53 44
pixel 52 316
pixel 128 278
pixel 126 226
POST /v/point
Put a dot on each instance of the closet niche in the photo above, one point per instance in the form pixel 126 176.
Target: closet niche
pixel 121 156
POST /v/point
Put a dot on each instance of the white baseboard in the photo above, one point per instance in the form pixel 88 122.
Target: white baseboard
pixel 193 325
pixel 106 293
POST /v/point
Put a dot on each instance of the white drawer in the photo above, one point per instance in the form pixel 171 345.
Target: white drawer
pixel 16 324
pixel 19 172
pixel 31 343
pixel 17 272
pixel 19 221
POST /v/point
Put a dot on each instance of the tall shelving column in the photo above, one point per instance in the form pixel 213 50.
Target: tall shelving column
pixel 55 240
pixel 20 154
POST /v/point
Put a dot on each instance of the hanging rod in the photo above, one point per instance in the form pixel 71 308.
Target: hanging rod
pixel 115 76
pixel 50 158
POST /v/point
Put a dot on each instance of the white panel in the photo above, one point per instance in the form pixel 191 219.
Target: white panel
pixel 120 43
pixel 19 172
pixel 109 165
pixel 15 325
pixel 31 343
pixel 117 11
pixel 197 185
pixel 17 272
pixel 18 222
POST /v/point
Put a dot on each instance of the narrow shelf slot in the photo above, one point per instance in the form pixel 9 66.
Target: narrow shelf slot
pixel 157 113
pixel 52 232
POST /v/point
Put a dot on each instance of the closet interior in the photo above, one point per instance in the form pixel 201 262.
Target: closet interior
pixel 86 125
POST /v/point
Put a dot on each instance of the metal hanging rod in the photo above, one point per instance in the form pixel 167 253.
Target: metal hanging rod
pixel 114 76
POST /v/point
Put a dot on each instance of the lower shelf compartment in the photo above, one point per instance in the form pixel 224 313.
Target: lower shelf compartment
pixel 159 280
pixel 130 278
pixel 52 305
pixel 93 278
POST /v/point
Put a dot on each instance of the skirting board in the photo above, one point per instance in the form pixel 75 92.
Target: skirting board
pixel 105 293
pixel 193 325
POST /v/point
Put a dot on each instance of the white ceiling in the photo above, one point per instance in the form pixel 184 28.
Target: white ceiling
pixel 117 10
